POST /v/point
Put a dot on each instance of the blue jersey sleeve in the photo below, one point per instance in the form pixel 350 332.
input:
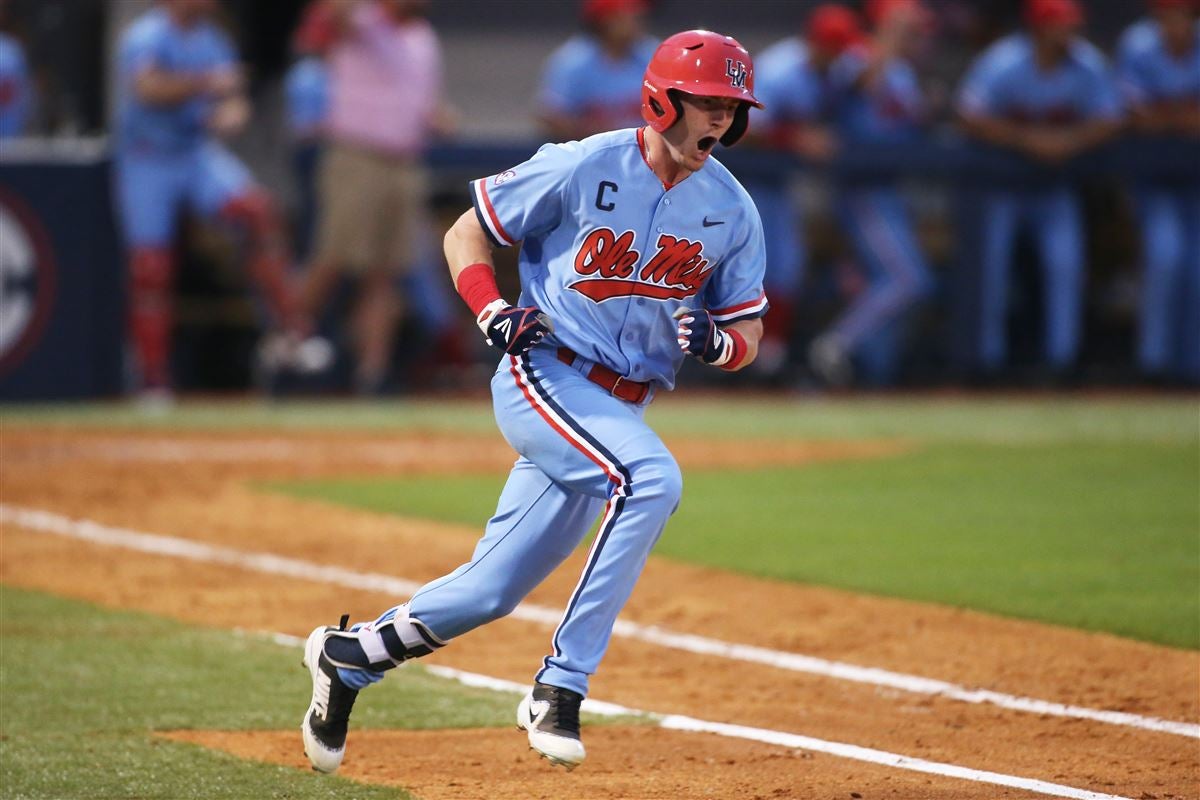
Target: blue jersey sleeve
pixel 1131 69
pixel 223 53
pixel 1101 99
pixel 144 47
pixel 980 89
pixel 307 90
pixel 787 86
pixel 735 291
pixel 847 69
pixel 528 198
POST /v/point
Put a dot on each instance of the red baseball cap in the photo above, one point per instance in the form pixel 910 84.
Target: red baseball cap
pixel 834 27
pixel 594 11
pixel 1048 13
pixel 877 11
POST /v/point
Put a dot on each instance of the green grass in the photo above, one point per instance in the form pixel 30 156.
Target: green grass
pixel 1099 537
pixel 1008 420
pixel 82 689
pixel 1102 536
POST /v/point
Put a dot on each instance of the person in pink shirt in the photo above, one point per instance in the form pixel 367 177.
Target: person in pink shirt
pixel 385 73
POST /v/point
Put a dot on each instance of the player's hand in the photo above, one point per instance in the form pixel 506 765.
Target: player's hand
pixel 222 82
pixel 512 329
pixel 229 117
pixel 699 336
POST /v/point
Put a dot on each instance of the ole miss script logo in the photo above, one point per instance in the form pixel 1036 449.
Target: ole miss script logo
pixel 677 271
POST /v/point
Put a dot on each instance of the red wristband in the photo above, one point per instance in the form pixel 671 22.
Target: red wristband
pixel 477 286
pixel 739 350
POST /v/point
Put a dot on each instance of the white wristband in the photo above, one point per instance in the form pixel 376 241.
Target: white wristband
pixel 725 343
pixel 490 310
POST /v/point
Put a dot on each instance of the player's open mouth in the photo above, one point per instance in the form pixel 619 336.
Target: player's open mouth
pixel 706 143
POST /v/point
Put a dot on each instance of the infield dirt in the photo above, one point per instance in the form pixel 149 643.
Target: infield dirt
pixel 197 486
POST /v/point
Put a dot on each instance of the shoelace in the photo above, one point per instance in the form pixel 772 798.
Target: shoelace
pixel 564 711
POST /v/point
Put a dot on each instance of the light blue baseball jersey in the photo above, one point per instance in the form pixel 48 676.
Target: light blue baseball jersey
pixel 888 110
pixel 1005 81
pixel 1149 74
pixel 16 90
pixel 583 81
pixel 155 40
pixel 610 254
pixel 306 87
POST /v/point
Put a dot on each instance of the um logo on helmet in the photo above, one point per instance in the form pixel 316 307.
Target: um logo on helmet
pixel 736 70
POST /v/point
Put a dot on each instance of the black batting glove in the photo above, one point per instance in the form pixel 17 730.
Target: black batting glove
pixel 513 329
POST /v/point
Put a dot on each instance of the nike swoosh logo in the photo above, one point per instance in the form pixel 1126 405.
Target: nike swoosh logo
pixel 535 715
pixel 709 223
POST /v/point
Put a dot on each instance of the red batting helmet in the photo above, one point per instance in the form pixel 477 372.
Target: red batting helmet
pixel 700 63
pixel 597 11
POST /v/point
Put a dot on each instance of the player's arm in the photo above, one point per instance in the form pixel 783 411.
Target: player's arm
pixel 466 244
pixel 1090 133
pixel 751 331
pixel 1168 116
pixel 994 130
pixel 155 86
pixel 1186 118
pixel 469 256
pixel 231 108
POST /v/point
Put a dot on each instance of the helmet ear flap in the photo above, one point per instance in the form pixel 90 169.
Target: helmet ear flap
pixel 661 118
pixel 741 122
pixel 654 112
pixel 676 105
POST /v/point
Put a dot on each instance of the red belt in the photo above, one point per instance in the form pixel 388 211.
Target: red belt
pixel 614 383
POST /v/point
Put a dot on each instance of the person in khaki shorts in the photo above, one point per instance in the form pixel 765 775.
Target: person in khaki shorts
pixel 385 69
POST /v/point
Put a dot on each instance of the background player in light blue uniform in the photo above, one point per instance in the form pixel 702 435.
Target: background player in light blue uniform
pixel 798 94
pixel 593 81
pixel 1049 94
pixel 1159 67
pixel 16 87
pixel 637 248
pixel 879 100
pixel 179 84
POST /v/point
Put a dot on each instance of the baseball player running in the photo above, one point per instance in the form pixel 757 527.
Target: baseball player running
pixel 638 248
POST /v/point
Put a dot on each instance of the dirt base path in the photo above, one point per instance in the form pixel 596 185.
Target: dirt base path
pixel 196 487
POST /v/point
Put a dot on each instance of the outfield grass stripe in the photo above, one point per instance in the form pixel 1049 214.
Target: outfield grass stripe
pixel 86 530
pixel 680 722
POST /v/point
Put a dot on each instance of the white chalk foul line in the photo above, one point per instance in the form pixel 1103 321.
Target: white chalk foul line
pixel 46 522
pixel 679 722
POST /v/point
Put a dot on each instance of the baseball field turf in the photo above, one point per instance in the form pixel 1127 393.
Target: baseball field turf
pixel 1078 512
